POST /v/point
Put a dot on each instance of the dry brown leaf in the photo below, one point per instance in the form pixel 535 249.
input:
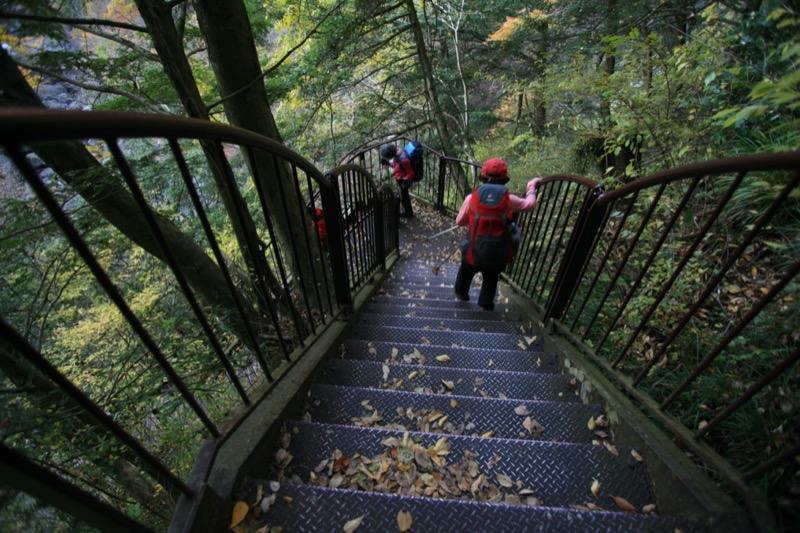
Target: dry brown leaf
pixel 443 358
pixel 448 384
pixel 453 404
pixel 505 481
pixel 637 456
pixel 650 508
pixel 591 424
pixel 385 372
pixel 613 449
pixel 353 524
pixel 404 520
pixel 240 509
pixel 413 374
pixel 623 504
pixel 487 434
pixel 521 410
pixel 595 487
pixel 533 426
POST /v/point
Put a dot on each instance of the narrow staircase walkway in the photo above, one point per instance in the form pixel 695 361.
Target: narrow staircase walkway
pixel 440 416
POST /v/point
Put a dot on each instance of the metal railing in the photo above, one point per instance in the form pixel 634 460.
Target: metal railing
pixel 227 281
pixel 447 179
pixel 681 283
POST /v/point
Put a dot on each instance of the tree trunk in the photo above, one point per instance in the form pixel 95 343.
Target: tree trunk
pixel 234 59
pixel 439 118
pixel 105 192
pixel 167 43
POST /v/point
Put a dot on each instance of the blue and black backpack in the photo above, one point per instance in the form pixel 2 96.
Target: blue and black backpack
pixel 415 152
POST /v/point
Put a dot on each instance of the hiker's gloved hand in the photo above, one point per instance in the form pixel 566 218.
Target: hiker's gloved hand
pixel 532 185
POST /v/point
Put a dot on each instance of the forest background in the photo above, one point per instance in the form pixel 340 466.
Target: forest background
pixel 603 89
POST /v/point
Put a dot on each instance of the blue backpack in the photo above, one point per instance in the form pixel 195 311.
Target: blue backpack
pixel 415 152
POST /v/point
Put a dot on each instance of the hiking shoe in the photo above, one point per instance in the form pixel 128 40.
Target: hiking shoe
pixel 462 297
pixel 488 307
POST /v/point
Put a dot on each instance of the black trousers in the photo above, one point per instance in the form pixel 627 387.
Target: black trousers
pixel 464 279
pixel 405 202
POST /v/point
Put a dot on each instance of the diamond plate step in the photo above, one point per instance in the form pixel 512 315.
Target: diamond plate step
pixel 559 474
pixel 375 320
pixel 515 361
pixel 307 509
pixel 387 306
pixel 465 382
pixel 499 307
pixel 408 411
pixel 410 290
pixel 464 339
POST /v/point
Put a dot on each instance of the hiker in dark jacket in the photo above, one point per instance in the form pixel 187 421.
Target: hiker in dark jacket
pixel 403 175
pixel 488 211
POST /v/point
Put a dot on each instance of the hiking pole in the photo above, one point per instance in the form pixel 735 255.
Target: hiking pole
pixel 448 230
pixel 446 259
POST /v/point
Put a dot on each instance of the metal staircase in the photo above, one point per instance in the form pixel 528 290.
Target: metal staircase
pixel 440 416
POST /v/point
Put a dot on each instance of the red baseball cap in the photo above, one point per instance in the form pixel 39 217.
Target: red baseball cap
pixel 495 169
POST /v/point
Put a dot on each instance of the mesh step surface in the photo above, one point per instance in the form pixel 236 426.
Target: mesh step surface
pixel 512 360
pixel 464 382
pixel 375 320
pixel 499 307
pixel 557 421
pixel 463 339
pixel 304 508
pixel 559 474
pixel 389 307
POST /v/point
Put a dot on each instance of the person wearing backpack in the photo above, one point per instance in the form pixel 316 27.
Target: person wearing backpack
pixel 488 211
pixel 404 174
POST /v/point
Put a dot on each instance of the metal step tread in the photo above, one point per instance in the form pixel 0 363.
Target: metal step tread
pixel 412 302
pixel 388 307
pixel 472 324
pixel 558 474
pixel 304 508
pixel 411 290
pixel 464 339
pixel 455 415
pixel 457 381
pixel 396 352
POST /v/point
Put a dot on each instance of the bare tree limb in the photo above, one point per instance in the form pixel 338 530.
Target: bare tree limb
pixel 73 22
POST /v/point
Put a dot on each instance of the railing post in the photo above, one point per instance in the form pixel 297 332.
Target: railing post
pixel 581 243
pixel 440 191
pixel 335 229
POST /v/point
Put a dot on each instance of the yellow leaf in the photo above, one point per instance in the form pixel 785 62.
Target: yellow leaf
pixel 453 404
pixel 404 520
pixel 413 374
pixel 448 384
pixel 591 424
pixel 636 456
pixel 240 509
pixel 442 358
pixel 623 504
pixel 353 524
pixel 595 487
pixel 613 449
pixel 650 508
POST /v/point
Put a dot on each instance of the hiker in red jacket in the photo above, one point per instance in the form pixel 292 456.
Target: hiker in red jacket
pixel 318 221
pixel 403 175
pixel 488 211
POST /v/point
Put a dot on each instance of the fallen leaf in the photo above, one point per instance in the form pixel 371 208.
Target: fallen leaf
pixel 353 524
pixel 413 374
pixel 240 509
pixel 487 434
pixel 404 520
pixel 613 449
pixel 533 426
pixel 623 504
pixel 442 358
pixel 591 424
pixel 595 487
pixel 505 481
pixel 521 410
pixel 448 384
pixel 531 340
pixel 650 508
pixel 636 456
pixel 385 372
pixel 453 404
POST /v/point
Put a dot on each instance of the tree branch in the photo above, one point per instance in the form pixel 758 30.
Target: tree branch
pixel 98 88
pixel 73 22
pixel 280 62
